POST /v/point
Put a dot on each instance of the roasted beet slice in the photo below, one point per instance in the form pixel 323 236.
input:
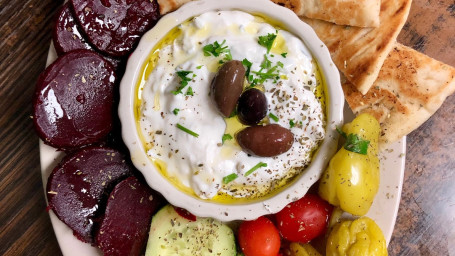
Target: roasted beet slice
pixel 80 182
pixel 129 210
pixel 73 102
pixel 68 36
pixel 115 26
pixel 117 63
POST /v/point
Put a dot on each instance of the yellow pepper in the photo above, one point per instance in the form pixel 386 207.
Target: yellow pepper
pixel 361 237
pixel 298 249
pixel 351 180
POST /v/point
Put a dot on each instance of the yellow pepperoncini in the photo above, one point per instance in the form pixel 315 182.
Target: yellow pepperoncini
pixel 361 237
pixel 297 249
pixel 351 180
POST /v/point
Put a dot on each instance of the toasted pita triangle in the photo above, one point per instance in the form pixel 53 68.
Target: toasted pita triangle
pixel 360 52
pixel 170 5
pixel 410 88
pixel 360 13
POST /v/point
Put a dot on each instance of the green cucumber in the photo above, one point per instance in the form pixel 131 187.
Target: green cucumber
pixel 171 234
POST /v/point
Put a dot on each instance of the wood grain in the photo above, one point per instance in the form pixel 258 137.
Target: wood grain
pixel 25 34
pixel 425 224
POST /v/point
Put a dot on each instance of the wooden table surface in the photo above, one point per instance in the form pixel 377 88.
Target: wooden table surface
pixel 425 224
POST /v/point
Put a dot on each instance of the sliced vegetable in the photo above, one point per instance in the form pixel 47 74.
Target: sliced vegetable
pixel 74 100
pixel 124 227
pixel 76 187
pixel 115 27
pixel 172 234
pixel 352 179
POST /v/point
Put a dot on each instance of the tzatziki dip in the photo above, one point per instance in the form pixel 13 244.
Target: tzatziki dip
pixel 183 132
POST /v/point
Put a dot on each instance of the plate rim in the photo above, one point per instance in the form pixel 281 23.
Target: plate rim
pixel 71 246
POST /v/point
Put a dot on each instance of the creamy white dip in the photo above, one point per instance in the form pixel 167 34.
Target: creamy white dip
pixel 200 163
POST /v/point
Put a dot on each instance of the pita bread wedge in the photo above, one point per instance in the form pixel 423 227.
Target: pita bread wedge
pixel 410 88
pixel 170 5
pixel 360 13
pixel 360 52
pixel 296 6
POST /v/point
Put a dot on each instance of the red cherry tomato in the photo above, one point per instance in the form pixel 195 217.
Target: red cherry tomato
pixel 304 219
pixel 185 214
pixel 259 237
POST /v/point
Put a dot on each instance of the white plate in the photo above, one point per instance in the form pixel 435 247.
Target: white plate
pixel 384 209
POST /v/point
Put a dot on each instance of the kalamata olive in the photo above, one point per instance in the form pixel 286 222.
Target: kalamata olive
pixel 227 86
pixel 252 107
pixel 266 141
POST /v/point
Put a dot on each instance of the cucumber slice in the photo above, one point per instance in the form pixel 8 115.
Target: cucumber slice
pixel 171 234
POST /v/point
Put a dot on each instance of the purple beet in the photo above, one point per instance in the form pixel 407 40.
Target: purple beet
pixel 115 26
pixel 73 102
pixel 117 63
pixel 68 36
pixel 80 182
pixel 124 228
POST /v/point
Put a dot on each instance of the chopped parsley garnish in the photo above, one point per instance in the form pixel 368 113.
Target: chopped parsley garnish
pixel 199 67
pixel 267 41
pixel 228 56
pixel 216 49
pixel 229 178
pixel 248 65
pixel 266 63
pixel 189 92
pixel 274 117
pixel 182 74
pixel 284 54
pixel 267 71
pixel 234 113
pixel 354 143
pixel 262 76
pixel 226 137
pixel 176 111
pixel 291 123
pixel 190 132
pixel 259 165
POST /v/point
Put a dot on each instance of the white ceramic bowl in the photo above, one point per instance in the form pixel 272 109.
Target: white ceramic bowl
pixel 207 208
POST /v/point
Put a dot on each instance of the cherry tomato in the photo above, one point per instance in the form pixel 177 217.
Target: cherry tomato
pixel 185 214
pixel 304 219
pixel 259 237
